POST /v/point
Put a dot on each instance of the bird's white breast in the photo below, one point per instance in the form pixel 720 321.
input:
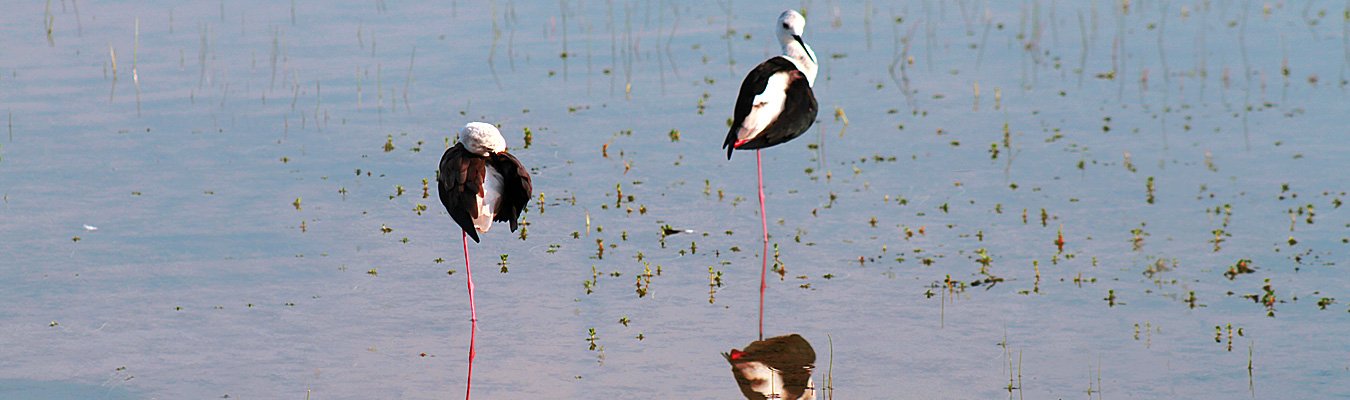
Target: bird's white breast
pixel 803 58
pixel 489 199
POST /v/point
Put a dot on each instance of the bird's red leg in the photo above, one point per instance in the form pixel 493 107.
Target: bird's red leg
pixel 473 314
pixel 764 222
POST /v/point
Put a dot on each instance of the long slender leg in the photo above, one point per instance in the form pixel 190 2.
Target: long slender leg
pixel 763 222
pixel 473 314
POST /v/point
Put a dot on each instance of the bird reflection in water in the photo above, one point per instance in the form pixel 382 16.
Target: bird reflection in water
pixel 775 368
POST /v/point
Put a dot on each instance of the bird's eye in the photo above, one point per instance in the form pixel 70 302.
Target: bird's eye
pixel 787 26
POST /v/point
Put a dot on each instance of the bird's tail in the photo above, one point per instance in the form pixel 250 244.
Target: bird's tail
pixel 730 143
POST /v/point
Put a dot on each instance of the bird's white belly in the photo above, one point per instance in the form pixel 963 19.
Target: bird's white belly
pixel 488 200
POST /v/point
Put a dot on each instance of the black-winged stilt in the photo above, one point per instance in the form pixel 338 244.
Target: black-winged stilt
pixel 479 183
pixel 775 368
pixel 775 105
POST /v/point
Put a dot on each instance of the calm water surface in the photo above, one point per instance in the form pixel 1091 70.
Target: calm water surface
pixel 254 172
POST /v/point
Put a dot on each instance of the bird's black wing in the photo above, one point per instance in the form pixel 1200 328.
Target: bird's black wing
pixel 459 182
pixel 754 84
pixel 782 352
pixel 799 113
pixel 516 188
pixel 794 357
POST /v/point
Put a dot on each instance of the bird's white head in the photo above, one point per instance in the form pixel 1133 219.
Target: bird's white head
pixel 482 138
pixel 791 24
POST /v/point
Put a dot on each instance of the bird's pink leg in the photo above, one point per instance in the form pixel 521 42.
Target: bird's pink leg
pixel 473 314
pixel 764 222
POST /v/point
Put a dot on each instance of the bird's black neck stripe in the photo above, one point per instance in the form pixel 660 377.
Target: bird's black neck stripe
pixel 798 38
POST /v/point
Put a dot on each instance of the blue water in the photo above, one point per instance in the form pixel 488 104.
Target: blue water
pixel 200 281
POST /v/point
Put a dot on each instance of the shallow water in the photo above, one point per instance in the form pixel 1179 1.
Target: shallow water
pixel 204 277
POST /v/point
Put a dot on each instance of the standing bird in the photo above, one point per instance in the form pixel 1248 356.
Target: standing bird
pixel 479 183
pixel 776 105
pixel 775 368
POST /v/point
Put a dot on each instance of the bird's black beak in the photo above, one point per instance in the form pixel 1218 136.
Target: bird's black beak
pixel 798 38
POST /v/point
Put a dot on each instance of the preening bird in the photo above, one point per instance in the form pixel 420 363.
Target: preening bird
pixel 480 183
